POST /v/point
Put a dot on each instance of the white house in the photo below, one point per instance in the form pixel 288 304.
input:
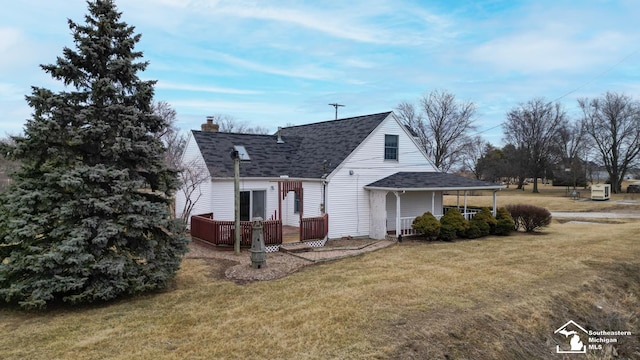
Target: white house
pixel 366 173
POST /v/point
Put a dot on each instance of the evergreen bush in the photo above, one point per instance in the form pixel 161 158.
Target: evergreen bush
pixel 427 225
pixel 505 224
pixel 453 225
pixel 477 228
pixel 87 217
pixel 447 232
pixel 529 217
pixel 474 229
pixel 487 217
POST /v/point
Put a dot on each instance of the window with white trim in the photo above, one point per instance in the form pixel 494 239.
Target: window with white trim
pixel 390 147
pixel 252 204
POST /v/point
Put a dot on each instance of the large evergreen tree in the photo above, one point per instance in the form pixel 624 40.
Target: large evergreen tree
pixel 87 218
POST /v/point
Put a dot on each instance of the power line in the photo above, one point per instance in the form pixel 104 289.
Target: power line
pixel 598 76
pixel 489 129
pixel 577 88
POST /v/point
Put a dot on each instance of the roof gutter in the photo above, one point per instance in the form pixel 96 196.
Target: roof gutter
pixel 271 179
pixel 497 187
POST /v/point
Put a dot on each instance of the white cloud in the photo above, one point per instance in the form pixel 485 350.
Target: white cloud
pixel 317 20
pixel 373 22
pixel 9 37
pixel 15 48
pixel 10 91
pixel 307 71
pixel 230 107
pixel 532 52
pixel 166 85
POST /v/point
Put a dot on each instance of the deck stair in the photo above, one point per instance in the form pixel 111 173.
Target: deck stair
pixel 296 247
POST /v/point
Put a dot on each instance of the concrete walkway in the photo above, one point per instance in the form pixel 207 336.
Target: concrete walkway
pixel 328 254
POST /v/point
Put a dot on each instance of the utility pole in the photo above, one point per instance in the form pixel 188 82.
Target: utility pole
pixel 236 202
pixel 336 105
pixel 238 153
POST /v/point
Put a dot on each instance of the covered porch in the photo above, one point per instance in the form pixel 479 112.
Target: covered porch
pixel 397 200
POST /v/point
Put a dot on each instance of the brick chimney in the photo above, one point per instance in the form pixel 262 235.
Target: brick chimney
pixel 209 125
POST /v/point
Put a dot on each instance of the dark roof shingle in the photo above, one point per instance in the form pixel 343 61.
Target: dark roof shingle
pixel 430 181
pixel 308 151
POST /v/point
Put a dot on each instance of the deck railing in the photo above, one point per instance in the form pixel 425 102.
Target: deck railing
pixel 469 214
pixel 314 227
pixel 406 222
pixel 218 232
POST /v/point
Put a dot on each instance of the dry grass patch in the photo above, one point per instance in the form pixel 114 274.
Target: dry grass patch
pixel 552 198
pixel 497 297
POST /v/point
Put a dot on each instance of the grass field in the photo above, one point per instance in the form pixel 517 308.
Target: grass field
pixel 551 197
pixel 492 298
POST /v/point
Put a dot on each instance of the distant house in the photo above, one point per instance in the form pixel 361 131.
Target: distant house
pixel 365 175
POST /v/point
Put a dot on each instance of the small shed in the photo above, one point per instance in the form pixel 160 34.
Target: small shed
pixel 600 191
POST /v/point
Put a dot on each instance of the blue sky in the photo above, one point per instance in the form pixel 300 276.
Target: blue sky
pixel 272 63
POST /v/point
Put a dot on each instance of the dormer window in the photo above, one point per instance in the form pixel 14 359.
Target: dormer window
pixel 391 147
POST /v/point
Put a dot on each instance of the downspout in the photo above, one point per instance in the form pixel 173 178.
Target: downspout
pixel 280 201
pixel 323 206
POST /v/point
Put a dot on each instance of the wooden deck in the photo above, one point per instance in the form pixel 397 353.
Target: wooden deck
pixel 290 234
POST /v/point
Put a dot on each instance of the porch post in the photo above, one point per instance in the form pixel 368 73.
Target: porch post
pixel 378 214
pixel 433 203
pixel 458 199
pixel 398 229
pixel 465 204
pixel 495 203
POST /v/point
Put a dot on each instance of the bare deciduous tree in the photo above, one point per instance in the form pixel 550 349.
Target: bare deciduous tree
pixel 532 127
pixel 442 127
pixel 473 152
pixel 570 144
pixel 613 123
pixel 173 140
pixel 230 124
pixel 515 165
pixel 192 175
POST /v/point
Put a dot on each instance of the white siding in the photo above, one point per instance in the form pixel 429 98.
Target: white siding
pixel 412 204
pixel 311 197
pixel 222 199
pixel 194 159
pixel 348 203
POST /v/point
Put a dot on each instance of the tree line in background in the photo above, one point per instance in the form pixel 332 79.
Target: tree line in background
pixel 542 142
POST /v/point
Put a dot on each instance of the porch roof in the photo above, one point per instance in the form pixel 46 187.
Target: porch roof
pixel 430 181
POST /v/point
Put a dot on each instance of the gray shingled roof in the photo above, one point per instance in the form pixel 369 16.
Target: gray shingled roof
pixel 308 151
pixel 415 181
